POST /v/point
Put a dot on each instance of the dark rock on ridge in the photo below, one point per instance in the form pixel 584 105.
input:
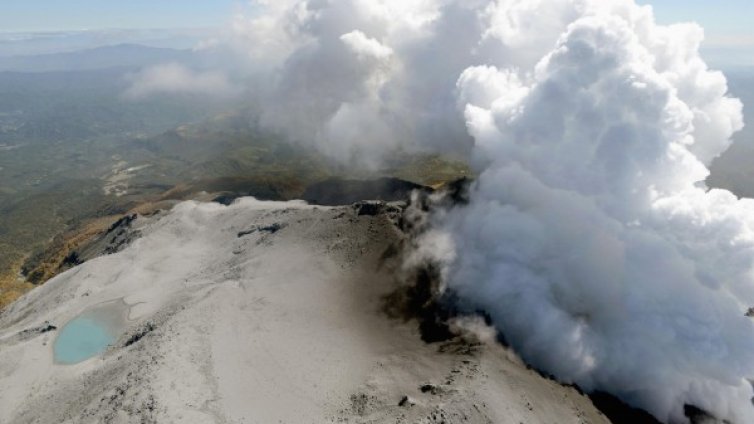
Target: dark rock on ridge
pixel 338 191
pixel 33 332
pixel 271 229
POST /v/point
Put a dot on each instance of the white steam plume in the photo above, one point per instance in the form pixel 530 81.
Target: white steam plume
pixel 363 78
pixel 588 238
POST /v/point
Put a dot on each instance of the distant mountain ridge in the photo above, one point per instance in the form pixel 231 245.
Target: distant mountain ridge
pixel 106 57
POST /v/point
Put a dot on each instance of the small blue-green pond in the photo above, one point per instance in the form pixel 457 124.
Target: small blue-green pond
pixel 88 335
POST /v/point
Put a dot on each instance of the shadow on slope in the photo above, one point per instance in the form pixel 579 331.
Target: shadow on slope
pixel 338 191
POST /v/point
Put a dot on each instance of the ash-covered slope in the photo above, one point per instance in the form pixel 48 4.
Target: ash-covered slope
pixel 259 312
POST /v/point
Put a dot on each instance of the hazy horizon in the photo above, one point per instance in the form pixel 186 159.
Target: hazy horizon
pixel 729 38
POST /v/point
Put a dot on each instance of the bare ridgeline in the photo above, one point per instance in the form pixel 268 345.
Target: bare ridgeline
pixel 276 312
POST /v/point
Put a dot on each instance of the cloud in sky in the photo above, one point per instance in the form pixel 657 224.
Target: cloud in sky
pixel 175 79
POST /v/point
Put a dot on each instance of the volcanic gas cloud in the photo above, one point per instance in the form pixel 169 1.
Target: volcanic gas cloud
pixel 589 239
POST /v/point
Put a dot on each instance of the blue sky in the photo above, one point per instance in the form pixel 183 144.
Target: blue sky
pixel 721 17
pixel 728 27
pixel 729 23
pixel 717 16
pixel 55 15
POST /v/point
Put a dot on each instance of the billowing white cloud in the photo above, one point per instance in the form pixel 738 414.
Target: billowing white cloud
pixel 365 46
pixel 178 79
pixel 361 78
pixel 587 239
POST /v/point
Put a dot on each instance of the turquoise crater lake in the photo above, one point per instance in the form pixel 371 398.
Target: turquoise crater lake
pixel 89 334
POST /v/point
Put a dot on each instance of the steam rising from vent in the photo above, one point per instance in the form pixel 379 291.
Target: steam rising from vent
pixel 588 238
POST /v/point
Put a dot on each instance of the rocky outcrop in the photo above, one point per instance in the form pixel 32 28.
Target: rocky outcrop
pixel 338 191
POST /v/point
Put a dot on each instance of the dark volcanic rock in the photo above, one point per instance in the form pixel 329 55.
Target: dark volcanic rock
pixel 271 229
pixel 700 416
pixel 139 334
pixel 337 191
pixel 618 412
pixel 32 332
pixel 124 222
pixel 429 388
pixel 119 236
pixel 71 260
pixel 369 208
pixel 459 191
pixel 406 401
pixel 225 199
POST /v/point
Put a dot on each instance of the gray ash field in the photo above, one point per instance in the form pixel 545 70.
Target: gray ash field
pixel 227 321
